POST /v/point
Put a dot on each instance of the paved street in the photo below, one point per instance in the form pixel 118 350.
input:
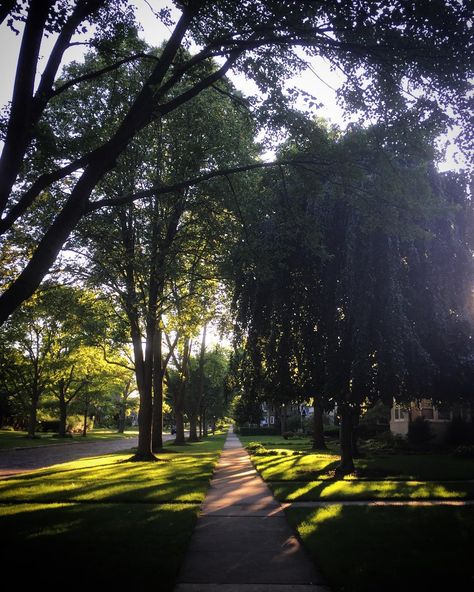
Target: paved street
pixel 23 460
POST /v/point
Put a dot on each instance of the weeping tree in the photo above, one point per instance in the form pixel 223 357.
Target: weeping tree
pixel 343 284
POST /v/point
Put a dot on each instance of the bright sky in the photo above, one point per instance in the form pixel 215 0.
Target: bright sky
pixel 319 80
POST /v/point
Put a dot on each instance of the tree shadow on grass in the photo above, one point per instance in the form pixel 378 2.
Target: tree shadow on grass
pixel 104 538
pixel 373 548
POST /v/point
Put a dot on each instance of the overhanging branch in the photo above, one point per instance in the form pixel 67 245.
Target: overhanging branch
pixel 181 185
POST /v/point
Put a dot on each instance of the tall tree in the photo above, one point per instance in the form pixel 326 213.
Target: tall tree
pixel 393 54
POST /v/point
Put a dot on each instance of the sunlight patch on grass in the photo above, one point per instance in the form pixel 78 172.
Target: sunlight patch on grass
pixel 368 490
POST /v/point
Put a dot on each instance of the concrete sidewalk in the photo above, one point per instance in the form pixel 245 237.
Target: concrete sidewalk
pixel 242 541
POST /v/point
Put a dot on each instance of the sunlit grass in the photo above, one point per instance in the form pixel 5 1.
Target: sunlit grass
pixel 367 490
pixel 368 549
pixel 295 473
pixel 179 477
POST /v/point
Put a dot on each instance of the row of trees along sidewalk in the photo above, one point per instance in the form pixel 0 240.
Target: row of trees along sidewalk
pixel 115 156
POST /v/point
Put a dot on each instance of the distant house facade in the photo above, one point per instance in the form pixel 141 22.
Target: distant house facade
pixel 271 413
pixel 439 418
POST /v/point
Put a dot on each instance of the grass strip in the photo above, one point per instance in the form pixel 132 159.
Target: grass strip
pixel 371 490
pixel 18 439
pixel 368 549
pixel 111 545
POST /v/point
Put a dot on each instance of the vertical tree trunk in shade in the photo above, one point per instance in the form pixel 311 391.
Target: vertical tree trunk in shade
pixel 193 422
pixel 86 414
pixel 62 412
pixel 200 424
pixel 282 419
pixel 346 466
pixel 180 394
pixel 204 423
pixel 145 416
pixel 121 418
pixel 193 415
pixel 318 427
pixel 33 415
pixel 355 432
pixel 158 376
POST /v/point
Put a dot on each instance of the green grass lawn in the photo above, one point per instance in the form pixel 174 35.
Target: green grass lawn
pixel 373 549
pixel 295 473
pixel 106 521
pixel 18 439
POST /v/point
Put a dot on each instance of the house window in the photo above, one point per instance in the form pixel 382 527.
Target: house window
pixel 399 413
pixel 272 419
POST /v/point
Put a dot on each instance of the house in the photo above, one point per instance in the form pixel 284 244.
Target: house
pixel 439 418
pixel 271 413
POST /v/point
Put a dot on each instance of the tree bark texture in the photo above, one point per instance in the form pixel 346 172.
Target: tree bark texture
pixel 318 427
pixel 346 465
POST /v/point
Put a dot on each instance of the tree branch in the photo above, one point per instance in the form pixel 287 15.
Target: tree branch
pixel 161 190
pixel 101 72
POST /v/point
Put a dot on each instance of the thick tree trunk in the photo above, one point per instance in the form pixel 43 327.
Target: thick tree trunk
pixel 193 423
pixel 145 415
pixel 346 466
pixel 33 416
pixel 204 423
pixel 158 377
pixel 355 433
pixel 318 427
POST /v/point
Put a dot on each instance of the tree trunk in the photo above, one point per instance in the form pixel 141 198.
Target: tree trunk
pixel 355 434
pixel 180 395
pixel 158 376
pixel 318 427
pixel 86 413
pixel 33 415
pixel 193 416
pixel 204 423
pixel 282 419
pixel 193 422
pixel 62 411
pixel 121 418
pixel 346 466
pixel 145 415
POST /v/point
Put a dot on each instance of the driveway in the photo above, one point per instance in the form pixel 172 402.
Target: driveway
pixel 13 462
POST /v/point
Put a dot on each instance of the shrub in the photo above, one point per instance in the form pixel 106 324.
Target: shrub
pixel 465 451
pixel 251 446
pixel 460 432
pixel 49 425
pixel 419 432
pixel 332 431
pixel 243 431
pixel 288 435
